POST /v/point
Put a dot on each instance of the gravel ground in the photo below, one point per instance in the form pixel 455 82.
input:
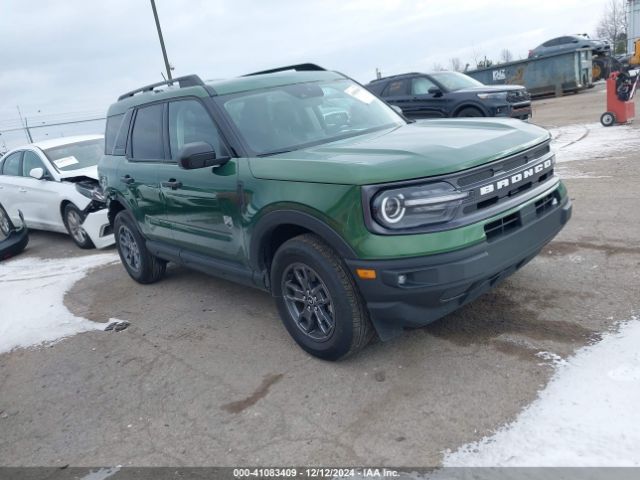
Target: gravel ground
pixel 206 374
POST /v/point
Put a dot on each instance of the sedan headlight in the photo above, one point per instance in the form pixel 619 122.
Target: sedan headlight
pixel 493 96
pixel 417 205
pixel 93 192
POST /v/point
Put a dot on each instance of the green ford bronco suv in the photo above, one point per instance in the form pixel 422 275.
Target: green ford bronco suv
pixel 300 182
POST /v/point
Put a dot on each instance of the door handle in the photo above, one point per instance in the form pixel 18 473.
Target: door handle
pixel 173 184
pixel 127 179
pixel 22 190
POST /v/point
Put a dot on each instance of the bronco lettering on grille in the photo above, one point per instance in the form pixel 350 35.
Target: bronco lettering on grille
pixel 516 178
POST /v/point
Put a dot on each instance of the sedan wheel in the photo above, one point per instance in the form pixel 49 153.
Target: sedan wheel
pixel 73 219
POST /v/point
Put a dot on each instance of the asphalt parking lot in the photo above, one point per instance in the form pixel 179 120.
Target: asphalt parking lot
pixel 207 375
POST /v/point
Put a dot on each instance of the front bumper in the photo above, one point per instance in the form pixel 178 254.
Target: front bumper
pixel 97 226
pixel 14 243
pixel 521 111
pixel 416 291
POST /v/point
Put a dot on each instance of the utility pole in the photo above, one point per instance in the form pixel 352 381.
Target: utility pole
pixel 24 123
pixel 164 50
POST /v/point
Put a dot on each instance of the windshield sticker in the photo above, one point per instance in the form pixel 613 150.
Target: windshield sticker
pixel 65 161
pixel 360 94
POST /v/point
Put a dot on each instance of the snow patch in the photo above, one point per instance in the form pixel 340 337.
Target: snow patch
pixel 592 141
pixel 551 357
pixel 587 415
pixel 32 299
pixel 101 474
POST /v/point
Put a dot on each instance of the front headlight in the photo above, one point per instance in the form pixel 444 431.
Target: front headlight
pixel 417 205
pixel 93 192
pixel 493 96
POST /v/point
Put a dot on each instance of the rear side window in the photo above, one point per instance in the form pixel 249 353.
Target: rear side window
pixel 11 164
pixel 146 137
pixel 395 88
pixel 111 131
pixel 120 146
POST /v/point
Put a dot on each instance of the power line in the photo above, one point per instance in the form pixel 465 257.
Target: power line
pixel 55 124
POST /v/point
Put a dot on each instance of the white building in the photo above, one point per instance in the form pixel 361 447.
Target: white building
pixel 633 19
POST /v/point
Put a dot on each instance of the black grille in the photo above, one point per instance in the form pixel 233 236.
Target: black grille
pixel 502 226
pixel 518 96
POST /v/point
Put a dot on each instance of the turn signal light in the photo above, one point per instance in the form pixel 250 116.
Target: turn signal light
pixel 366 274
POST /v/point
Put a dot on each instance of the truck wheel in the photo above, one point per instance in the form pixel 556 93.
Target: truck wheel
pixel 469 112
pixel 73 219
pixel 318 300
pixel 139 263
pixel 607 119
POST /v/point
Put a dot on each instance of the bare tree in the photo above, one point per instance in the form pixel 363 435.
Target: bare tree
pixel 477 56
pixel 437 67
pixel 455 64
pixel 612 26
pixel 506 55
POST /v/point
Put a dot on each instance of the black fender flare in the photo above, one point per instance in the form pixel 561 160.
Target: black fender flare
pixel 270 221
pixel 117 197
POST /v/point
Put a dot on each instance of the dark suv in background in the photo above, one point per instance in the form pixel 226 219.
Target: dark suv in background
pixel 451 94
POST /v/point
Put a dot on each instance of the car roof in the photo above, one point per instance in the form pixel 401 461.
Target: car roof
pixel 410 74
pixel 224 87
pixel 58 142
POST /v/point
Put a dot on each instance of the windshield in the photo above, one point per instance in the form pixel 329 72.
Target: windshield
pixel 76 155
pixel 294 116
pixel 453 81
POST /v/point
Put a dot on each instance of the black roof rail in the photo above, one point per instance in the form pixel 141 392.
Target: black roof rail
pixel 394 76
pixel 186 81
pixel 301 67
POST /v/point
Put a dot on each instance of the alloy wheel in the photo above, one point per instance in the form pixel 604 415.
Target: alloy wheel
pixel 75 227
pixel 129 248
pixel 308 301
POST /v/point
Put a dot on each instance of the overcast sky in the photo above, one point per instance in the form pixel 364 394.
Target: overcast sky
pixel 70 59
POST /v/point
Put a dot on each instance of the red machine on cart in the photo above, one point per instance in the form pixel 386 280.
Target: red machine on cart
pixel 621 87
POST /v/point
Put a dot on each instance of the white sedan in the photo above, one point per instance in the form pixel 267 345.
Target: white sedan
pixel 54 183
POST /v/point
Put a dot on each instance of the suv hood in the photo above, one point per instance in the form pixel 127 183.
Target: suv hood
pixel 491 89
pixel 416 150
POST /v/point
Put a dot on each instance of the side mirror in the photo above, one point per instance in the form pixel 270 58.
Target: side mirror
pixel 435 91
pixel 397 109
pixel 37 173
pixel 199 155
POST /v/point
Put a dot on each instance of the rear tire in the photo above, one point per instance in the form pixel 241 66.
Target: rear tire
pixel 139 263
pixel 469 112
pixel 73 219
pixel 318 300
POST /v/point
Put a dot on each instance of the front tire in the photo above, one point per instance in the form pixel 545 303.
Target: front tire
pixel 73 219
pixel 469 112
pixel 318 300
pixel 139 263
